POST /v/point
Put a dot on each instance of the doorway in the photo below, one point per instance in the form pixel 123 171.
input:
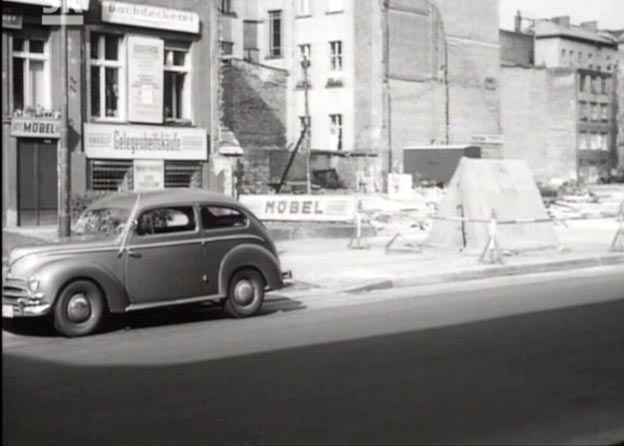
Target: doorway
pixel 37 197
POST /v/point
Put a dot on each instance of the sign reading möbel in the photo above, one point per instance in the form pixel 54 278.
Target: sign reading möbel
pixel 145 142
pixel 337 208
pixel 35 128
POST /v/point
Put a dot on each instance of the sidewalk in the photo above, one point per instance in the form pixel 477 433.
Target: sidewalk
pixel 330 266
pixel 327 265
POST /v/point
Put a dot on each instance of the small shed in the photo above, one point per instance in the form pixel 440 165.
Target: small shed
pixel 436 163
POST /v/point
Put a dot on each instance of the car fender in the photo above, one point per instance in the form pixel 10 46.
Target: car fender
pixel 250 256
pixel 53 276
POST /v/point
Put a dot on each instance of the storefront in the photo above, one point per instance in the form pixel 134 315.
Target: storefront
pixel 143 129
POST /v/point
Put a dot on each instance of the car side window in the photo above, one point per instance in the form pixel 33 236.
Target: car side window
pixel 219 217
pixel 166 220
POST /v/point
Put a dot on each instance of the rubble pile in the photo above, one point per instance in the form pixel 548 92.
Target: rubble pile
pixel 601 201
pixel 389 215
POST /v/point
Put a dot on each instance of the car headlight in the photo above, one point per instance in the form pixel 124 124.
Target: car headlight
pixel 33 284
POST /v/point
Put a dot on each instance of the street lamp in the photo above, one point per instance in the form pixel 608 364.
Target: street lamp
pixel 305 65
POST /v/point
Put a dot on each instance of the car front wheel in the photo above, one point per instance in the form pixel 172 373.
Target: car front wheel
pixel 79 309
pixel 245 294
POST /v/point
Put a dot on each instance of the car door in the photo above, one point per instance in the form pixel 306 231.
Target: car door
pixel 164 259
pixel 224 228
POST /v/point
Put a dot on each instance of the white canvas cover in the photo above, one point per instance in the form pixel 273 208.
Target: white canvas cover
pixel 477 187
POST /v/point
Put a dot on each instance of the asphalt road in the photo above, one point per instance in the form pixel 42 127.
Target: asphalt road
pixel 526 360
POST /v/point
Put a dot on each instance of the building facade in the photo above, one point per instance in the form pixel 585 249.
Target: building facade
pixel 139 87
pixel 416 72
pixel 550 52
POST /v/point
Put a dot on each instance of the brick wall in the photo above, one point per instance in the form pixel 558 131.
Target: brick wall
pixel 254 104
pixel 539 113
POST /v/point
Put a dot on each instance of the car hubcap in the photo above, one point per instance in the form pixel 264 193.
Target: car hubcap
pixel 78 308
pixel 244 292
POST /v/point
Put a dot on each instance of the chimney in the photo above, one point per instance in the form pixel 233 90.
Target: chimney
pixel 590 26
pixel 562 21
pixel 518 22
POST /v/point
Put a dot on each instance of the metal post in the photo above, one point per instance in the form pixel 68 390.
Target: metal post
pixel 64 184
pixel 305 64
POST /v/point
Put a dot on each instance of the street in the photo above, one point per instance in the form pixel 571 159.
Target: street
pixel 535 359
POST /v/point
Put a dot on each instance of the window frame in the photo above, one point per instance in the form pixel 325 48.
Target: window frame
pixel 196 221
pixel 276 52
pixel 102 64
pixel 185 70
pixel 336 57
pixel 26 56
pixel 204 228
pixel 333 119
pixel 304 8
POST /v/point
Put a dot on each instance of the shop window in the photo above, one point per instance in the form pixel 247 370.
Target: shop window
pixel 183 174
pixel 219 217
pixel 107 86
pixel 275 33
pixel 110 175
pixel 335 132
pixel 31 78
pixel 177 84
pixel 167 221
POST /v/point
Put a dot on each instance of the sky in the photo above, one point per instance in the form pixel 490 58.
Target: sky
pixel 608 13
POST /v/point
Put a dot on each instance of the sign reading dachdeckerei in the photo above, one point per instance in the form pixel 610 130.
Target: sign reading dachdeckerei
pixel 150 16
pixel 323 208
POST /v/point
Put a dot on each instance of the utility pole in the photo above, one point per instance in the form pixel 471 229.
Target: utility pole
pixel 386 80
pixel 305 64
pixel 64 185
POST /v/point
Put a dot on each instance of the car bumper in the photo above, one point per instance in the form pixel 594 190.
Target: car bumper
pixel 19 301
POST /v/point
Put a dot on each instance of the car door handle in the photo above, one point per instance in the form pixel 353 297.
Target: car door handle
pixel 136 255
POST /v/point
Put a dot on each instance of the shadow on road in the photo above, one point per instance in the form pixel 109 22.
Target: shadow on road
pixel 178 315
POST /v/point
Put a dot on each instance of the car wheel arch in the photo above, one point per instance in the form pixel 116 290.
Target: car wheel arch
pixel 249 256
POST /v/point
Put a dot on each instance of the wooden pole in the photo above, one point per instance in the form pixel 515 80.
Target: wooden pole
pixel 63 167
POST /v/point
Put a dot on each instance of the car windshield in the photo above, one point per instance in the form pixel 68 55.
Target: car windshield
pixel 108 222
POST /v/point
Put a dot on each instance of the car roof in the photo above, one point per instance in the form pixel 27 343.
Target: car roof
pixel 163 197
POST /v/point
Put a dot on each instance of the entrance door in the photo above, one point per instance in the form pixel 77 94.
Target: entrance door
pixel 37 182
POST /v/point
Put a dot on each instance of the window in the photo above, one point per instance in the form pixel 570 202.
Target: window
pixel 227 48
pixel 594 85
pixel 250 40
pixel 110 175
pixel 303 7
pixel 583 111
pixel 582 83
pixel 595 112
pixel 218 217
pixel 334 5
pixel 335 58
pixel 30 74
pixel 106 76
pixel 183 174
pixel 226 7
pixel 583 141
pixel 603 86
pixel 275 33
pixel 580 57
pixel 166 220
pixel 335 132
pixel 604 142
pixel 304 56
pixel 563 55
pixel 176 104
pixel 604 115
pixel 595 141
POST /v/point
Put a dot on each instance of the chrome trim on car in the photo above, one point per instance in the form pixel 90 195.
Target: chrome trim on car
pixel 203 240
pixel 168 303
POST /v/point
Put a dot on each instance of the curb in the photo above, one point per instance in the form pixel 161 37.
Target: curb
pixel 485 273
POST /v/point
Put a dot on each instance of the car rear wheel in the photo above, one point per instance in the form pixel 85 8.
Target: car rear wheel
pixel 245 294
pixel 79 309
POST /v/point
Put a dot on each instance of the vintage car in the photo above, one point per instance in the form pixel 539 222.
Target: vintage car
pixel 133 251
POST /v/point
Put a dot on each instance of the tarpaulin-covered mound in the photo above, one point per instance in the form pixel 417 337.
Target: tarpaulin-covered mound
pixel 477 187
